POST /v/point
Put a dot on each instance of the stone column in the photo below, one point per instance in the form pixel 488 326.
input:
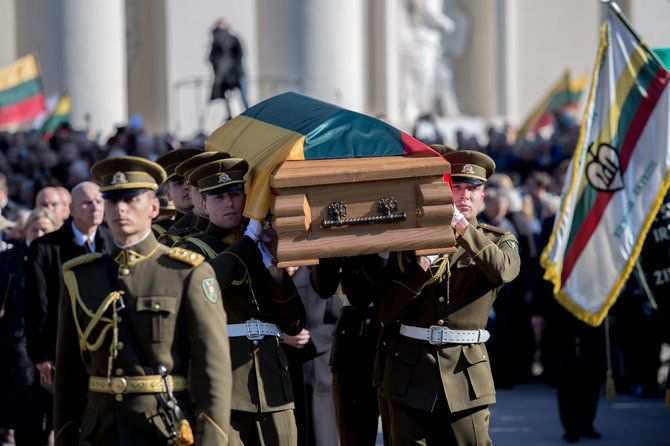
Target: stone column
pixel 334 48
pixel 94 63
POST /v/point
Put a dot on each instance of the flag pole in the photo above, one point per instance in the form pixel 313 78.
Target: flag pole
pixel 617 10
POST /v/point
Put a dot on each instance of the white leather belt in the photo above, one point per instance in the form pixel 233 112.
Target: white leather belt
pixel 254 330
pixel 438 335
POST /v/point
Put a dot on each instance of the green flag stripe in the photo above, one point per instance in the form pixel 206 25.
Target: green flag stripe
pixel 628 109
pixel 20 92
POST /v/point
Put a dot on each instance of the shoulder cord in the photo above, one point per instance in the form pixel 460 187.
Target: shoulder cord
pixel 207 250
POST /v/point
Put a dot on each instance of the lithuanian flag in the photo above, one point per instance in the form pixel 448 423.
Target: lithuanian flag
pixel 563 95
pixel 291 126
pixel 59 115
pixel 618 176
pixel 21 91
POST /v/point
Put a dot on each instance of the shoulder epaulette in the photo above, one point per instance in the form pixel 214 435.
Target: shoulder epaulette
pixel 185 255
pixel 493 229
pixel 80 260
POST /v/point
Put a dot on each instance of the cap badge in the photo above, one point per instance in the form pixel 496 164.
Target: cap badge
pixel 468 169
pixel 224 178
pixel 119 178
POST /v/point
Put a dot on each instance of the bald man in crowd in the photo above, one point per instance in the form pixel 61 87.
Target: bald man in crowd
pixel 53 198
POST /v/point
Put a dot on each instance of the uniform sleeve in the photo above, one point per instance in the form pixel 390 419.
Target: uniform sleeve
pixel 211 373
pixel 325 277
pixel 500 261
pixel 70 377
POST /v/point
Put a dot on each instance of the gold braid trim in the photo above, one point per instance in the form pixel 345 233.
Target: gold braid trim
pixel 480 251
pixel 206 249
pixel 246 278
pixel 185 255
pixel 442 264
pixel 75 299
pixel 207 417
pixel 65 426
pixel 159 229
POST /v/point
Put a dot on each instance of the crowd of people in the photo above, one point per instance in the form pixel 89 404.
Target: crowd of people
pixel 52 212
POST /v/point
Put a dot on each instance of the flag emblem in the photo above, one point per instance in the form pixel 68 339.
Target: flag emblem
pixel 211 292
pixel 224 178
pixel 467 168
pixel 119 178
pixel 604 172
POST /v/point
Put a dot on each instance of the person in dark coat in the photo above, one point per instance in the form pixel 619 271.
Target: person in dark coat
pixel 24 404
pixel 226 59
pixel 309 354
pixel 80 234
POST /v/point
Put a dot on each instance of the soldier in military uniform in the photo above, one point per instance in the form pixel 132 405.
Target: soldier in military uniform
pixel 222 231
pixel 261 302
pixel 177 192
pixel 354 342
pixel 437 377
pixel 133 324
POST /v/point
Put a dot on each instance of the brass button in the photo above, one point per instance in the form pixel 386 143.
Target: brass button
pixel 118 397
pixel 157 306
pixel 440 322
pixel 119 371
pixel 123 271
pixel 118 385
pixel 441 299
pixel 255 342
pixel 395 354
pixel 132 258
pixel 120 345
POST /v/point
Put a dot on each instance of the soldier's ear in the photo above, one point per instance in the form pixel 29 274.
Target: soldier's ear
pixel 154 207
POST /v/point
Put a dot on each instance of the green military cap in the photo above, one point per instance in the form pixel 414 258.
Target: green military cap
pixel 441 148
pixel 470 166
pixel 166 206
pixel 124 176
pixel 170 160
pixel 220 176
pixel 186 167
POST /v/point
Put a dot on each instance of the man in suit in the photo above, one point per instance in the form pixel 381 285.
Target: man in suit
pixel 80 234
pixel 437 377
pixel 135 326
pixel 9 209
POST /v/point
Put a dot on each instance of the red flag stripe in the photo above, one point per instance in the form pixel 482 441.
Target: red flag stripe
pixel 23 110
pixel 637 125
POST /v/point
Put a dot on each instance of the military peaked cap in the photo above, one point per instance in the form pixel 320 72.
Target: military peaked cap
pixel 470 166
pixel 170 160
pixel 186 167
pixel 124 176
pixel 220 176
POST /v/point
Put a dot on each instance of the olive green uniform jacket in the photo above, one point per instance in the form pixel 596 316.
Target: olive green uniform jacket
pixel 211 242
pixel 187 224
pixel 175 312
pixel 261 380
pixel 460 297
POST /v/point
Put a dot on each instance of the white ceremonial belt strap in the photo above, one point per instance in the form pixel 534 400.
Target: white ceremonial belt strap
pixel 254 330
pixel 438 335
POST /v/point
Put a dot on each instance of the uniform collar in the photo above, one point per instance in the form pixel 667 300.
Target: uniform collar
pixel 201 223
pixel 137 252
pixel 225 235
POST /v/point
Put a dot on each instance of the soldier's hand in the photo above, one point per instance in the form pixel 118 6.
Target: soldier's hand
pixel 46 371
pixel 424 262
pixel 298 341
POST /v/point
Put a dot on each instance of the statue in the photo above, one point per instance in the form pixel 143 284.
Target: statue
pixel 432 33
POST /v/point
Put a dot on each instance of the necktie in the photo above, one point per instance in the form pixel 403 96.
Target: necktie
pixel 87 244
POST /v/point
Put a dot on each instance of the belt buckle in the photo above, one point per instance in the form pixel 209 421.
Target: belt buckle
pixel 256 324
pixel 118 385
pixel 435 335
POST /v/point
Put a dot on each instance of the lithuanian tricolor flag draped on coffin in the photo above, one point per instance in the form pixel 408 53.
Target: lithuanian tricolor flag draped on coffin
pixel 21 91
pixel 292 126
pixel 618 177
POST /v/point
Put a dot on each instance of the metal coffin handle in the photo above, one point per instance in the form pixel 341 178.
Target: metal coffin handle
pixel 386 206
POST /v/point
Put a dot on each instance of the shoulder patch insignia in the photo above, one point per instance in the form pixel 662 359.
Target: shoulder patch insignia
pixel 80 260
pixel 186 256
pixel 209 286
pixel 493 229
pixel 513 244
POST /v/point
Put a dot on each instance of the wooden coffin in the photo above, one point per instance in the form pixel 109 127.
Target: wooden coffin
pixel 353 206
